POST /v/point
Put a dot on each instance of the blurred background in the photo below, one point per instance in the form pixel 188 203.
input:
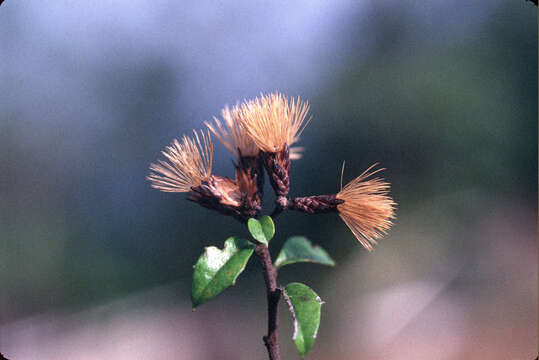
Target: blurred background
pixel 94 264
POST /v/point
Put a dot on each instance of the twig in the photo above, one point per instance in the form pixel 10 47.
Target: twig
pixel 281 203
pixel 273 293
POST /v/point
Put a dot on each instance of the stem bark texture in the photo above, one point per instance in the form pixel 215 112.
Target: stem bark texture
pixel 273 293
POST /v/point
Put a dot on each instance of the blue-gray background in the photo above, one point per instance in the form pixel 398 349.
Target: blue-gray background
pixel 94 264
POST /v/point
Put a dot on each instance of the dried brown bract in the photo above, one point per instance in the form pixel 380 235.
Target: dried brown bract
pixel 219 193
pixel 250 179
pixel 278 168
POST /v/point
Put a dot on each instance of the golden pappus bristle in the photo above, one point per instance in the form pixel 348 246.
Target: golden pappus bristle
pixel 367 209
pixel 189 163
pixel 231 134
pixel 273 121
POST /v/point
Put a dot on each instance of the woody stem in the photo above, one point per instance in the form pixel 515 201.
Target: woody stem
pixel 273 294
pixel 281 203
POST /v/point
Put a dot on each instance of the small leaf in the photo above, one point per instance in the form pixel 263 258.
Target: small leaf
pixel 262 229
pixel 299 249
pixel 216 269
pixel 305 307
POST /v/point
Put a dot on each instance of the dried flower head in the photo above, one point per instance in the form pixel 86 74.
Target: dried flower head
pixel 273 121
pixel 189 164
pixel 367 208
pixel 232 135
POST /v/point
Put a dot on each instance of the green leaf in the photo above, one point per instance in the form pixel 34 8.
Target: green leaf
pixel 305 307
pixel 218 269
pixel 299 249
pixel 262 229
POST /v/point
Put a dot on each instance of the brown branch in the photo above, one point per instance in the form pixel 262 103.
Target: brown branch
pixel 317 204
pixel 281 203
pixel 254 169
pixel 273 293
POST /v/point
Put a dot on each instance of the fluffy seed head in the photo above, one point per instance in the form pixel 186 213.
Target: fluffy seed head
pixel 367 209
pixel 231 134
pixel 189 164
pixel 273 121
